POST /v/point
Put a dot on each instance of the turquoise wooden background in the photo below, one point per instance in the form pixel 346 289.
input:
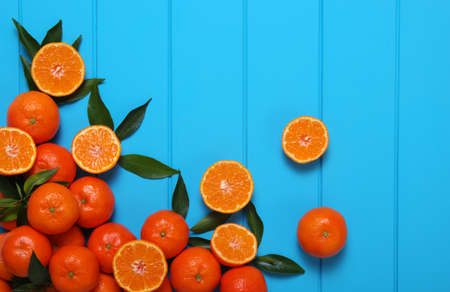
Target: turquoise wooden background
pixel 227 76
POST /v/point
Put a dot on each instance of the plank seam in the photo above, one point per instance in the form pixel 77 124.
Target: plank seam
pixel 169 95
pixel 396 140
pixel 320 177
pixel 94 36
pixel 244 83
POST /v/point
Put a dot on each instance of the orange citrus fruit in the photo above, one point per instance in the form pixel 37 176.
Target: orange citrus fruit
pixel 96 149
pixel 243 279
pixel 195 270
pixel 168 230
pixel 165 286
pixel 17 151
pixel 58 69
pixel 95 201
pixel 50 156
pixel 4 287
pixel 18 247
pixel 4 273
pixel 226 186
pixel 106 283
pixel 74 269
pixel 36 113
pixel 106 240
pixel 72 237
pixel 233 244
pixel 305 139
pixel 322 232
pixel 52 209
pixel 139 265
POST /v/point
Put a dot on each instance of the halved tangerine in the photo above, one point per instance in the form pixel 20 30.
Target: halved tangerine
pixel 305 139
pixel 96 149
pixel 17 151
pixel 58 69
pixel 234 245
pixel 139 266
pixel 226 186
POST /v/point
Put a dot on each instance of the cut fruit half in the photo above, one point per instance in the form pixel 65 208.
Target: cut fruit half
pixel 139 266
pixel 226 186
pixel 58 69
pixel 17 151
pixel 305 139
pixel 96 149
pixel 234 245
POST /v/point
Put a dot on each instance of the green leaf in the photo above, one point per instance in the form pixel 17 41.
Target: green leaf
pixel 98 113
pixel 87 87
pixel 254 222
pixel 132 121
pixel 7 188
pixel 18 281
pixel 37 273
pixel 274 263
pixel 54 35
pixel 146 167
pixel 64 183
pixel 29 43
pixel 19 190
pixel 76 43
pixel 27 72
pixel 9 214
pixel 210 222
pixel 38 179
pixel 22 217
pixel 27 288
pixel 198 241
pixel 180 199
pixel 8 202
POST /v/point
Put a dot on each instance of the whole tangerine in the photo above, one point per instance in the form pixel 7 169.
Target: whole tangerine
pixel 195 270
pixel 4 287
pixel 106 240
pixel 36 113
pixel 4 273
pixel 168 230
pixel 95 200
pixel 74 269
pixel 50 156
pixel 322 232
pixel 107 283
pixel 243 279
pixel 52 209
pixel 18 247
pixel 74 236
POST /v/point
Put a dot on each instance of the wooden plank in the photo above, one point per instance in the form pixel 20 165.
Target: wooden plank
pixel 132 56
pixel 207 90
pixel 424 154
pixel 283 84
pixel 9 54
pixel 359 110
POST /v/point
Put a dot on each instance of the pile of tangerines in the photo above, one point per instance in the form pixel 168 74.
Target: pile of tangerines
pixel 47 210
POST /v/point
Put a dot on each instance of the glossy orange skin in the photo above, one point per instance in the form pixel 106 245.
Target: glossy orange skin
pixel 106 240
pixel 4 287
pixel 7 225
pixel 107 283
pixel 74 236
pixel 95 200
pixel 4 273
pixel 195 270
pixel 74 269
pixel 168 230
pixel 322 232
pixel 52 209
pixel 165 286
pixel 50 156
pixel 18 247
pixel 243 279
pixel 36 113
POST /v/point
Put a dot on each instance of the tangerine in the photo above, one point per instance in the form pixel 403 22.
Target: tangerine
pixel 243 279
pixel 4 273
pixel 168 230
pixel 106 283
pixel 74 236
pixel 17 151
